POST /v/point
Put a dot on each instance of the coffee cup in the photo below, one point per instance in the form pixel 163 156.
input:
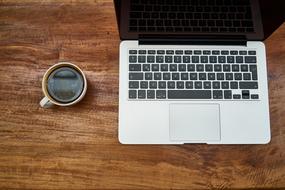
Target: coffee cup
pixel 63 84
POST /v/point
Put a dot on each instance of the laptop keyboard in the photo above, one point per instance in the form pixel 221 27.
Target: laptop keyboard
pixel 192 74
pixel 191 16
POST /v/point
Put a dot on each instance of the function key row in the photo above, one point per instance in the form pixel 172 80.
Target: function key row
pixel 195 52
pixel 193 59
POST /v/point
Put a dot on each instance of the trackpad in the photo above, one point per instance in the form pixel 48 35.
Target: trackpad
pixel 195 122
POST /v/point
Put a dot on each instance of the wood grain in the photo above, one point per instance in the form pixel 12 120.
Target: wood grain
pixel 77 147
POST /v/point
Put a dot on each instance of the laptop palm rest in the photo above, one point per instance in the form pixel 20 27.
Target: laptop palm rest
pixel 195 122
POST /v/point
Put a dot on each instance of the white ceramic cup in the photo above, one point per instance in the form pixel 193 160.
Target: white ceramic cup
pixel 48 101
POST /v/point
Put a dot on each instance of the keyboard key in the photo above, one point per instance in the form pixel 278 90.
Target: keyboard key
pixel 161 94
pixel 179 52
pixel 132 94
pixel 236 96
pixel 155 67
pixel 235 68
pixel 234 85
pixel 164 67
pixel 229 76
pixel 202 76
pixel 173 67
pixel 141 94
pixel 227 94
pixel 168 59
pixel 217 67
pixel 182 67
pixel 248 85
pixel 253 70
pixel 251 52
pixel 189 85
pixel 204 59
pixel 169 52
pixel 216 85
pixel 220 76
pixel 213 59
pixel 150 59
pixel 216 52
pixel 188 52
pixel 134 67
pixel 133 51
pixel 245 94
pixel 177 59
pixel 225 85
pixel 244 68
pixel 151 51
pixel 189 94
pixel 147 76
pixel 161 84
pixel 186 59
pixel 135 76
pixel 233 52
pixel 170 84
pixel 211 76
pixel 191 67
pixel 254 96
pixel 225 52
pixel 193 76
pixel 157 76
pixel 159 59
pixel 250 59
pixel 132 59
pixel 197 52
pixel 175 76
pixel 217 94
pixel 207 85
pixel 146 67
pixel 238 76
pixel 144 84
pixel 221 59
pixel 199 67
pixel 226 68
pixel 152 84
pixel 141 59
pixel 195 59
pixel 198 85
pixel 206 52
pixel 239 59
pixel 166 76
pixel 179 84
pixel 242 52
pixel 208 67
pixel 160 51
pixel 142 51
pixel 150 94
pixel 134 84
pixel 246 76
pixel 230 59
pixel 184 76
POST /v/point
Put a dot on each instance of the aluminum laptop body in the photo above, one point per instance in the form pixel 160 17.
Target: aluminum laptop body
pixel 192 79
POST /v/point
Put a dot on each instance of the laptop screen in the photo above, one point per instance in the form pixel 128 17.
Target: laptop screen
pixel 192 17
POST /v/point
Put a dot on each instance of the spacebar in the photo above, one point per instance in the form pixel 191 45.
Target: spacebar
pixel 189 94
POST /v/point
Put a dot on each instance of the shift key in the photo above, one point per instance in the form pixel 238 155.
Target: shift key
pixel 135 76
pixel 248 85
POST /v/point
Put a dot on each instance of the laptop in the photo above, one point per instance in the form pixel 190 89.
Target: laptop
pixel 192 71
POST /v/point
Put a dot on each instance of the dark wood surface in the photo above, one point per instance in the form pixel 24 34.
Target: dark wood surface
pixel 77 147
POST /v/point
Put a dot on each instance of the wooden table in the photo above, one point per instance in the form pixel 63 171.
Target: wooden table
pixel 77 147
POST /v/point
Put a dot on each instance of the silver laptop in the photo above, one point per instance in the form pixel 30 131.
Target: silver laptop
pixel 192 72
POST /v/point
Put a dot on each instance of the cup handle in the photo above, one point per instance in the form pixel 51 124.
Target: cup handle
pixel 45 103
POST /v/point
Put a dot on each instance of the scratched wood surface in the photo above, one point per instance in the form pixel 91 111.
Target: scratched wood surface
pixel 77 147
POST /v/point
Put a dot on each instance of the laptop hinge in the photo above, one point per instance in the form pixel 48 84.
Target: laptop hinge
pixel 192 40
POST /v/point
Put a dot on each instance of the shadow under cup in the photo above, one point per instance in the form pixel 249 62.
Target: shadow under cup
pixel 65 84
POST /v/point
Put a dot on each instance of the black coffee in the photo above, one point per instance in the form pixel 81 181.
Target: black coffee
pixel 65 84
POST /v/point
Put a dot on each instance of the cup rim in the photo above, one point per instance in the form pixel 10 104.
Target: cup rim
pixel 50 70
